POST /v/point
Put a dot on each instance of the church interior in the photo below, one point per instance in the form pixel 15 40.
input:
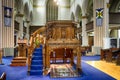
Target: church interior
pixel 59 39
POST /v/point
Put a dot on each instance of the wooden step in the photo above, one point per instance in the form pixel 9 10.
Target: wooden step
pixel 20 58
pixel 15 61
pixel 19 61
pixel 18 64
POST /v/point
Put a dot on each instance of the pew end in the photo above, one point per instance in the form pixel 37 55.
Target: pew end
pixel 3 76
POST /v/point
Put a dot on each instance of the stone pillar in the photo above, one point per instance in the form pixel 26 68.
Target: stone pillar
pixel 101 32
pixel 1 24
pixel 7 31
pixel 20 20
pixel 84 33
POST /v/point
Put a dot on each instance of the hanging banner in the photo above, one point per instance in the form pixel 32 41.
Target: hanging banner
pixel 99 17
pixel 7 16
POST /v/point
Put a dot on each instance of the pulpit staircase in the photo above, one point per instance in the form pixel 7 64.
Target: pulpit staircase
pixel 36 67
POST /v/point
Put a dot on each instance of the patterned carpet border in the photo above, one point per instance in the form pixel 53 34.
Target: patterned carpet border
pixel 62 71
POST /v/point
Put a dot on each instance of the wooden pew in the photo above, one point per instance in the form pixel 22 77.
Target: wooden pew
pixel 110 55
pixel 3 76
pixel 1 54
pixel 118 59
pixel 113 52
pixel 104 53
pixel 85 49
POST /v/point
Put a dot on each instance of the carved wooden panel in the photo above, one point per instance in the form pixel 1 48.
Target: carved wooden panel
pixel 61 30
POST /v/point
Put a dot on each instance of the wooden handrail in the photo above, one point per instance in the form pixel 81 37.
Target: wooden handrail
pixel 31 45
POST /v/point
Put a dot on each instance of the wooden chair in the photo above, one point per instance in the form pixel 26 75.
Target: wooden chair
pixel 3 76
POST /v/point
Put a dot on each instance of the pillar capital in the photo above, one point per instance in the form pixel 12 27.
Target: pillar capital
pixel 19 14
pixel 108 5
pixel 84 17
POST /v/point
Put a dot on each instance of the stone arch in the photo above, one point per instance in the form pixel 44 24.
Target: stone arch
pixel 72 17
pixel 51 10
pixel 78 14
pixel 18 4
pixel 114 5
pixel 31 16
pixel 26 11
pixel 89 10
pixel 118 7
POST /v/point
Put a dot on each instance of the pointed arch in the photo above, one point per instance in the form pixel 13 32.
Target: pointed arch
pixel 78 13
pixel 18 4
pixel 89 10
pixel 26 11
pixel 72 17
pixel 31 16
pixel 51 10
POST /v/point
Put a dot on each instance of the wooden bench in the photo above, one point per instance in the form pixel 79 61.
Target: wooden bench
pixel 110 55
pixel 3 76
pixel 104 53
pixel 118 59
pixel 85 49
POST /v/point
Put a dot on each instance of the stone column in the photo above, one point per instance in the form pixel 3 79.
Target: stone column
pixel 7 31
pixel 1 24
pixel 20 20
pixel 84 33
pixel 101 32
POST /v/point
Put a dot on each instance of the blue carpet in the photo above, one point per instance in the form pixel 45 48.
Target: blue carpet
pixel 90 58
pixel 37 62
pixel 20 73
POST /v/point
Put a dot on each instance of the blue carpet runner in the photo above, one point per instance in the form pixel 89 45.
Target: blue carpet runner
pixel 37 62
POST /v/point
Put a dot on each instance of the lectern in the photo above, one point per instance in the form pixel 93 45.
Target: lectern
pixel 21 58
pixel 22 47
